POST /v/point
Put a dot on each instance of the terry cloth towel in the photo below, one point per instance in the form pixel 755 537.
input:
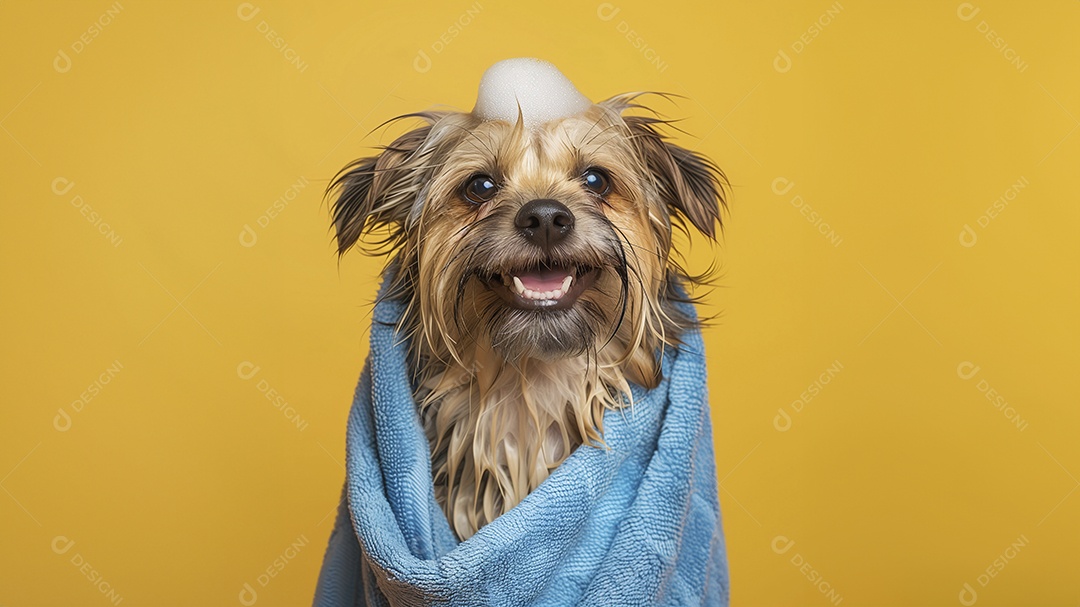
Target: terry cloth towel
pixel 635 524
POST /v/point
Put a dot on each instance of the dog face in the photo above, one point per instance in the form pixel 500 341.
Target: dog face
pixel 544 243
pixel 535 267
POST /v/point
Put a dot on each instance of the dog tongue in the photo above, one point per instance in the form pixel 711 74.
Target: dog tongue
pixel 537 88
pixel 543 280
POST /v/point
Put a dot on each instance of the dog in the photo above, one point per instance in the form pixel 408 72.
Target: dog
pixel 536 268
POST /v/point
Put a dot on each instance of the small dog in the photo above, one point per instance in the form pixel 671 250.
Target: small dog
pixel 536 270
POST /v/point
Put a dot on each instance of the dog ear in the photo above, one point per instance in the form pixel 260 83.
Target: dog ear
pixel 378 193
pixel 690 184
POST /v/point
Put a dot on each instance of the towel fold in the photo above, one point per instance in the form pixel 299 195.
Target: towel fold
pixel 636 523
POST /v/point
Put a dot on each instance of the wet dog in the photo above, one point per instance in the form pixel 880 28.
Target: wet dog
pixel 533 255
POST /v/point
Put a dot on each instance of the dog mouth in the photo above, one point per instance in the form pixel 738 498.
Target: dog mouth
pixel 548 287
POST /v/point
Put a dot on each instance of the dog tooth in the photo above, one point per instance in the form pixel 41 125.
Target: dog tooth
pixel 556 294
pixel 518 287
pixel 566 283
pixel 548 295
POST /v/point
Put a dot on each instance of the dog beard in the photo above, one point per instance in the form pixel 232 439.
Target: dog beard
pixel 545 335
pixel 514 368
pixel 577 325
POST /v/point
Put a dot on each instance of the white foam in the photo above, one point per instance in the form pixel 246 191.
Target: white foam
pixel 541 91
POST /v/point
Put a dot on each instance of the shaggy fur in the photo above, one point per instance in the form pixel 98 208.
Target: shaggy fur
pixel 507 394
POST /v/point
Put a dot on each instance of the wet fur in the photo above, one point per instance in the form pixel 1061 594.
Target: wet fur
pixel 506 395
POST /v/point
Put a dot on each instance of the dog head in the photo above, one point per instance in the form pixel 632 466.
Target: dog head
pixel 543 236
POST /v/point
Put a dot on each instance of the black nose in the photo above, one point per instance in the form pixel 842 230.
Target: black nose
pixel 544 222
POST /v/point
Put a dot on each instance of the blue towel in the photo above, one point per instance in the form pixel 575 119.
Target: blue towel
pixel 635 524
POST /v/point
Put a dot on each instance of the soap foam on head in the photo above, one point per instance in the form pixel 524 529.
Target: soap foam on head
pixel 541 91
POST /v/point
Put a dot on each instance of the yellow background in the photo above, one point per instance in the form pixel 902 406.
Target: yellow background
pixel 898 124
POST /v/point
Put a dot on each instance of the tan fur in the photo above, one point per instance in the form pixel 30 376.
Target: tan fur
pixel 505 397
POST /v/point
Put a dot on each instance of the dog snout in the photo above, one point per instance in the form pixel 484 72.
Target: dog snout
pixel 544 222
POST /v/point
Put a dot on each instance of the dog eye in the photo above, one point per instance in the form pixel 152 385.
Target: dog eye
pixel 480 189
pixel 597 181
